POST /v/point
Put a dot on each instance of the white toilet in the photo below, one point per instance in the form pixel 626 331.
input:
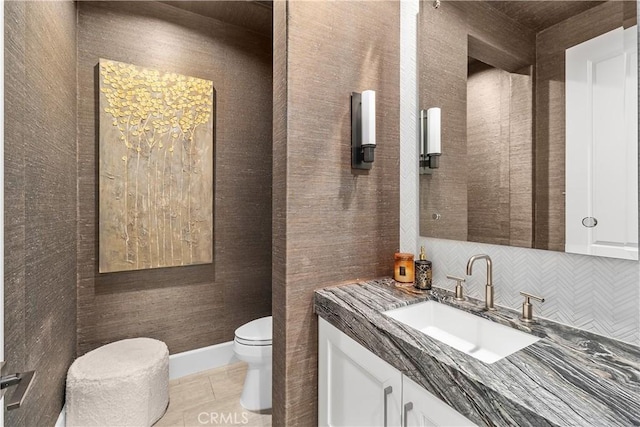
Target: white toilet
pixel 252 344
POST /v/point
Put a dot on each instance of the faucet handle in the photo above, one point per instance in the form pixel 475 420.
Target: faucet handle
pixel 527 307
pixel 459 289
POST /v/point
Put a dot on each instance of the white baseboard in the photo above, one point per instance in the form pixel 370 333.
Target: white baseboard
pixel 62 418
pixel 201 359
pixel 187 363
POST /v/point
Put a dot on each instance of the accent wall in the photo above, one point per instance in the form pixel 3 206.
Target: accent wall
pixel 199 305
pixel 40 202
pixel 331 224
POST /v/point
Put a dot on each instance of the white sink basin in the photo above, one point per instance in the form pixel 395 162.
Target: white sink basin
pixel 481 338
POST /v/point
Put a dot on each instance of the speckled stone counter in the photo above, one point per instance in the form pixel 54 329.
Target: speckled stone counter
pixel 568 378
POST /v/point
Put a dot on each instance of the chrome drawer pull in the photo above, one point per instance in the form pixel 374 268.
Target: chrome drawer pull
pixel 407 408
pixel 387 392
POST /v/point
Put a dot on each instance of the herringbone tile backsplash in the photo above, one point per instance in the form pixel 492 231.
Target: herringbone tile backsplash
pixel 597 294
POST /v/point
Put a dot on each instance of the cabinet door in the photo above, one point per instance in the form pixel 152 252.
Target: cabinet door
pixel 602 146
pixel 422 408
pixel 355 387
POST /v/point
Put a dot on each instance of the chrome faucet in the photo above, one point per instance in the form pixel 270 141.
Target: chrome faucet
pixel 489 287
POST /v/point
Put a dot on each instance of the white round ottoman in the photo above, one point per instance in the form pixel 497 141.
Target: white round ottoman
pixel 125 383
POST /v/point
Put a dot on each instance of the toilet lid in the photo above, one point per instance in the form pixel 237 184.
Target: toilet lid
pixel 256 332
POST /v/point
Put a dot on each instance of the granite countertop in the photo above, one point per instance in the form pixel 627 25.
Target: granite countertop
pixel 569 377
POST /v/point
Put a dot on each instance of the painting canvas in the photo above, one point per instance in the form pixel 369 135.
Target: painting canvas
pixel 155 167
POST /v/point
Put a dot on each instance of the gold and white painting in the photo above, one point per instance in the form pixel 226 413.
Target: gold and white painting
pixel 155 167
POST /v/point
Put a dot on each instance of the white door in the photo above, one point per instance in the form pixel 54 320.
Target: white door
pixel 355 387
pixel 423 409
pixel 602 146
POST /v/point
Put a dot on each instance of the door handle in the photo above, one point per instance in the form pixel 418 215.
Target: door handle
pixel 387 392
pixel 407 408
pixel 23 382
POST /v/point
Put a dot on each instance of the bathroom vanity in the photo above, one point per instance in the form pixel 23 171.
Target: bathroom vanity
pixel 376 370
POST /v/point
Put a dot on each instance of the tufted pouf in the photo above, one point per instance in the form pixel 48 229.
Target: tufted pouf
pixel 125 383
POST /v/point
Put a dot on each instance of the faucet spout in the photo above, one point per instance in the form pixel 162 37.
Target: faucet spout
pixel 489 286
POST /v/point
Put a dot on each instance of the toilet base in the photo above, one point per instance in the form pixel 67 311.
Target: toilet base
pixel 252 344
pixel 256 393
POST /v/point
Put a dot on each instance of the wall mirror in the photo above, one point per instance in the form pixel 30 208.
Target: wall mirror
pixel 539 124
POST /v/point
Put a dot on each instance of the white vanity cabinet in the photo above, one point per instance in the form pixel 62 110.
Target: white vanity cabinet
pixel 357 388
pixel 421 408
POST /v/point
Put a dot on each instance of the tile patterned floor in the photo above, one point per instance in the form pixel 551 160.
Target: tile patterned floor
pixel 210 398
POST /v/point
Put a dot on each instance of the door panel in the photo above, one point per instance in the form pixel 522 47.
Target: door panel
pixel 353 383
pixel 602 146
pixel 426 410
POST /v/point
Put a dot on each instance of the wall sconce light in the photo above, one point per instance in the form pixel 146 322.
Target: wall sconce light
pixel 363 129
pixel 430 140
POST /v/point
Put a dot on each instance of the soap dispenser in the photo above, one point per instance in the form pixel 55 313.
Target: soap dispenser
pixel 423 272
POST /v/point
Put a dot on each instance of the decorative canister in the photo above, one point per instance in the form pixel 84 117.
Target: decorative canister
pixel 423 272
pixel 403 269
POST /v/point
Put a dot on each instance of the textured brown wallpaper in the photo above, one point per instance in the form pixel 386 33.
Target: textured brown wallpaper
pixel 40 202
pixel 550 105
pixel 521 155
pixel 194 306
pixel 488 115
pixel 279 227
pixel 246 14
pixel 447 37
pixel 500 142
pixel 539 15
pixel 330 224
pixel 442 73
